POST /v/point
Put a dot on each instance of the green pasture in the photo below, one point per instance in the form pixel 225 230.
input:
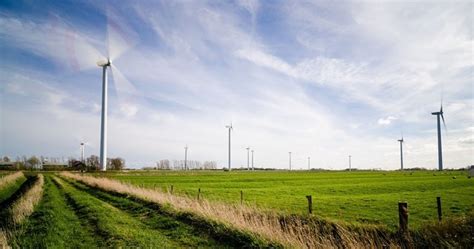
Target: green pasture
pixel 357 197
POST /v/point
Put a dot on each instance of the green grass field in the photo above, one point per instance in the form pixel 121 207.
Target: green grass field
pixel 73 215
pixel 358 197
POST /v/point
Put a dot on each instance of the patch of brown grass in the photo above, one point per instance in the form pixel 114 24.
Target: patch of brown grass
pixel 25 205
pixel 3 240
pixel 8 179
pixel 290 231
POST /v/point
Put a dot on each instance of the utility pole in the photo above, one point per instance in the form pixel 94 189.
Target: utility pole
pixel 309 163
pixel 248 160
pixel 350 166
pixel 289 153
pixel 186 157
pixel 230 129
pixel 252 161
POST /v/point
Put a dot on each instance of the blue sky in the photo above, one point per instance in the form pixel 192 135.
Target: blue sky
pixel 319 78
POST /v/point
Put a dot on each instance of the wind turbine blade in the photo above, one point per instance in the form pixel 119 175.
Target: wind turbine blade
pixel 120 38
pixel 125 92
pixel 444 123
pixel 122 85
pixel 84 55
pixel 72 48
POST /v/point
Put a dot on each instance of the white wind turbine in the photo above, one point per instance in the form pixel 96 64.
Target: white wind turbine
pixel 118 42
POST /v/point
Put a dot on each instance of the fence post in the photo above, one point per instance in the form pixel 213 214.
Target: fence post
pixel 241 197
pixel 403 216
pixel 310 204
pixel 171 189
pixel 438 202
pixel 199 193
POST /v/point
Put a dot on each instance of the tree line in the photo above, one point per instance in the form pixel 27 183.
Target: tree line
pixel 92 163
pixel 184 165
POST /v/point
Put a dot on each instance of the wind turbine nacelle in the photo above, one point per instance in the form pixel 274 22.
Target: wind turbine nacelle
pixel 104 63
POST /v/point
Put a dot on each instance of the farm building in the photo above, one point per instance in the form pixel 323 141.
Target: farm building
pixel 7 165
pixel 471 170
pixel 55 166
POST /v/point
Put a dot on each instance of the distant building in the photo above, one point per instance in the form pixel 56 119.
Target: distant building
pixel 7 165
pixel 54 166
pixel 471 170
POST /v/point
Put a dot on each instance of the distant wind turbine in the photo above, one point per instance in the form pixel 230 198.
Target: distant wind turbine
pixel 82 151
pixel 401 153
pixel 230 129
pixel 350 163
pixel 248 158
pixel 309 163
pixel 440 149
pixel 252 161
pixel 186 157
pixel 289 155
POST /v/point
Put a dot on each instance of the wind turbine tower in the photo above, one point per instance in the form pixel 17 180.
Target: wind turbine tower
pixel 82 152
pixel 289 154
pixel 401 153
pixel 186 157
pixel 230 129
pixel 309 163
pixel 440 149
pixel 252 161
pixel 248 158
pixel 103 124
pixel 350 163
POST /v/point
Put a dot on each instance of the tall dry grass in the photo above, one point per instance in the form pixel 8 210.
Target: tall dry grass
pixel 25 205
pixel 290 231
pixel 3 240
pixel 8 179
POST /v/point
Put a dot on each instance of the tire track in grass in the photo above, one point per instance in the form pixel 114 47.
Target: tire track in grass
pixel 55 225
pixel 8 202
pixel 7 191
pixel 114 226
pixel 150 215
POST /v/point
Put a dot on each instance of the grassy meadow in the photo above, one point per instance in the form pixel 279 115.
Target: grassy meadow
pixel 356 197
pixel 136 209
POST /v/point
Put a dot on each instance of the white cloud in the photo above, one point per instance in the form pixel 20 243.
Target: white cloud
pixel 386 121
pixel 195 78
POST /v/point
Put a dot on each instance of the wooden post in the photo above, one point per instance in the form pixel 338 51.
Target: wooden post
pixel 171 189
pixel 199 193
pixel 310 204
pixel 403 216
pixel 241 197
pixel 438 202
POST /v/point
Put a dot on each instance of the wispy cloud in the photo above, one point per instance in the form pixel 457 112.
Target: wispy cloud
pixel 311 77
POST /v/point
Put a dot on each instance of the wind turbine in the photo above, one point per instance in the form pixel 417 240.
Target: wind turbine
pixel 186 157
pixel 350 163
pixel 230 129
pixel 289 154
pixel 401 153
pixel 309 163
pixel 248 160
pixel 82 151
pixel 117 43
pixel 252 161
pixel 440 149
